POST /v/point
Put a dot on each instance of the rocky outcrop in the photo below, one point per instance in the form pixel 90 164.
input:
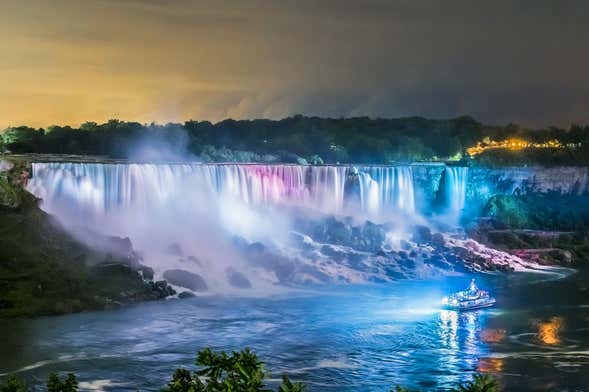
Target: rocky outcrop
pixel 237 279
pixel 44 270
pixel 484 182
pixel 186 279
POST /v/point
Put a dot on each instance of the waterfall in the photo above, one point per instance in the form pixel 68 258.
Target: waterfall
pixel 102 187
pixel 455 188
pixel 92 188
pixel 384 189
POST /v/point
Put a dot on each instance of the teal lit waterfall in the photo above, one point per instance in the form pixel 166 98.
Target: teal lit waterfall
pixel 455 178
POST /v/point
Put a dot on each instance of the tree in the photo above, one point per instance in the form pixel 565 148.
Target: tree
pixel 22 139
pixel 240 371
pixel 68 384
pixel 12 384
pixel 289 386
pixel 480 383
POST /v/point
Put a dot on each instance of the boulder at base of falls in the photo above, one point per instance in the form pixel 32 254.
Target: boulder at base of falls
pixel 438 240
pixel 186 294
pixel 237 279
pixel 186 279
pixel 422 234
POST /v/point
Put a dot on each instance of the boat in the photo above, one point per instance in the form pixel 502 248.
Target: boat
pixel 470 299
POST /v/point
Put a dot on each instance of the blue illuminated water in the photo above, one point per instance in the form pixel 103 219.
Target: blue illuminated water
pixel 342 339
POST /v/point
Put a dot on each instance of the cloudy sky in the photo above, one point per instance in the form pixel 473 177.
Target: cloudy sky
pixel 65 61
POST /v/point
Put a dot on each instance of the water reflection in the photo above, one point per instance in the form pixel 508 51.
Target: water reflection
pixel 490 335
pixel 493 365
pixel 549 332
pixel 459 334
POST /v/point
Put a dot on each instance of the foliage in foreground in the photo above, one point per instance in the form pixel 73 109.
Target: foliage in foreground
pixel 480 383
pixel 221 372
pixel 54 384
pixel 240 371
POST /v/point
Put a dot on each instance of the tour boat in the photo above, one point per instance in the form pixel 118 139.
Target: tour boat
pixel 470 299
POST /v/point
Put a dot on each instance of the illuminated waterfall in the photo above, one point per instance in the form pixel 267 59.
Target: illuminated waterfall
pixel 385 189
pixel 99 188
pixel 455 187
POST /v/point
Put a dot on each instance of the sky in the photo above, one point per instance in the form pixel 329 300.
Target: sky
pixel 66 62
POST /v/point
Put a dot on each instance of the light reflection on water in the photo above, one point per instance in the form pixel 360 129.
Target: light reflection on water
pixel 347 339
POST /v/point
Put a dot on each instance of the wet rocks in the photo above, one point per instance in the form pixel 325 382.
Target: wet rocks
pixel 146 272
pixel 437 240
pixel 186 279
pixel 186 294
pixel 237 279
pixel 162 289
pixel 422 234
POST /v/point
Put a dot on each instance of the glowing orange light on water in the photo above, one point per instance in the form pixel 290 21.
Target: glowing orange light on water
pixel 490 365
pixel 492 335
pixel 548 332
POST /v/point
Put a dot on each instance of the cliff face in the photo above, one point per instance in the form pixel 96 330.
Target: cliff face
pixel 484 183
pixel 44 270
pixel 565 180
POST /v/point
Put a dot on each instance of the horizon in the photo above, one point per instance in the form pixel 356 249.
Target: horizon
pixel 371 118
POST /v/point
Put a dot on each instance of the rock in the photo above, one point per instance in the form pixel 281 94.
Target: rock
pixel 186 294
pixel 332 252
pixel 405 245
pixel 370 237
pixel 438 261
pixel 119 246
pixel 256 249
pixel 407 264
pixel 302 161
pixel 237 279
pixel 174 249
pixel 146 272
pixel 438 240
pixel 422 234
pixel 332 231
pixel 5 166
pixel 315 160
pixel 186 279
pixel 162 288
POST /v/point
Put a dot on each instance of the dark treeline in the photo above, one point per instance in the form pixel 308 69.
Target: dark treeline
pixel 316 139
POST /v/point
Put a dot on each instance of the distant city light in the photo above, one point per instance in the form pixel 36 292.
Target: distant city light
pixel 515 144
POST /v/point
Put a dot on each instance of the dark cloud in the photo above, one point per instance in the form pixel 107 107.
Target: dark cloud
pixel 500 61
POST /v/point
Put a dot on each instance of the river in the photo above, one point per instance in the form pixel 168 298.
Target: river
pixel 344 338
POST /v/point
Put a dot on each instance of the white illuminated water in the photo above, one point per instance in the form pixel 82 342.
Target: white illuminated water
pixel 100 187
pixel 455 187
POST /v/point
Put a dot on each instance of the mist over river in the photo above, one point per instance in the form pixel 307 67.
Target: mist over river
pixel 350 338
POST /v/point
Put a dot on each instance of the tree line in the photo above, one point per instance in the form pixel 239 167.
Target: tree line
pixel 314 139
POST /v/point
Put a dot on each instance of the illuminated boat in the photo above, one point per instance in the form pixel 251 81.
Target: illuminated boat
pixel 470 299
